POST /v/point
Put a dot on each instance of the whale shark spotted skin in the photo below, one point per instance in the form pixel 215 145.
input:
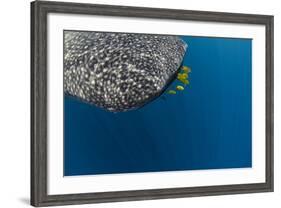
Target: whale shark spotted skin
pixel 119 71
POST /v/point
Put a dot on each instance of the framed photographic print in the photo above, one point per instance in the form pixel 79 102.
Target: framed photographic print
pixel 131 103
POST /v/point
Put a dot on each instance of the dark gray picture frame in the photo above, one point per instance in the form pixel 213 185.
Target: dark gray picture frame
pixel 39 12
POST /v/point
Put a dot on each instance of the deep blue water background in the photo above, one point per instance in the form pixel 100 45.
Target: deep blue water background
pixel 206 126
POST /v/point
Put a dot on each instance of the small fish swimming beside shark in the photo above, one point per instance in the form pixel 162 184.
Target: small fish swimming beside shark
pixel 182 76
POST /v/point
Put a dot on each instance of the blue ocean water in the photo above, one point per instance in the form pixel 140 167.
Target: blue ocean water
pixel 206 126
